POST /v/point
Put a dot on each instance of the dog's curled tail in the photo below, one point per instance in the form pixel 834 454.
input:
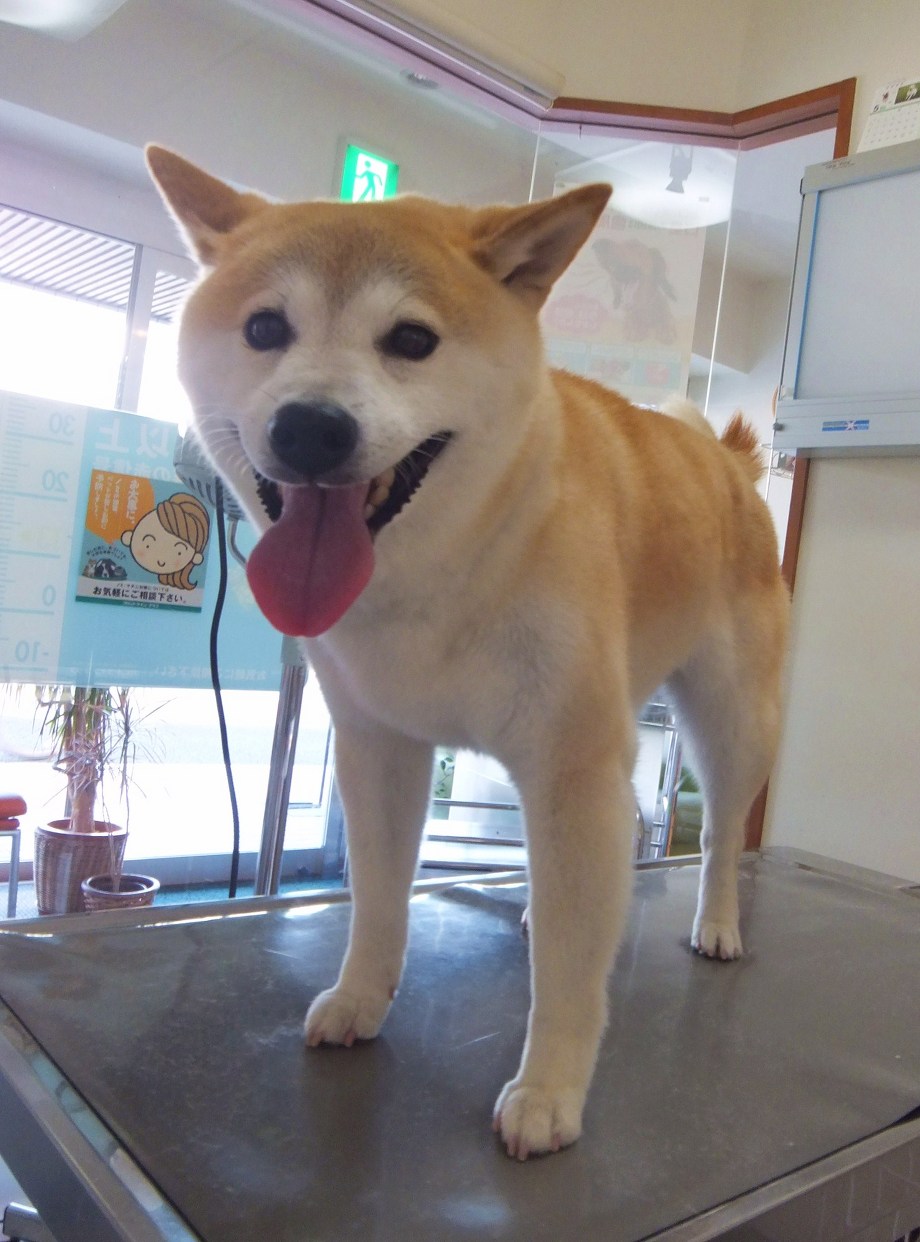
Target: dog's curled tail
pixel 741 438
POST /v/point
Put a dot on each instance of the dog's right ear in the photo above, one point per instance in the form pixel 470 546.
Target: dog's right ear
pixel 528 248
pixel 205 208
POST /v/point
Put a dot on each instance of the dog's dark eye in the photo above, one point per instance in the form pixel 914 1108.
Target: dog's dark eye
pixel 410 340
pixel 267 329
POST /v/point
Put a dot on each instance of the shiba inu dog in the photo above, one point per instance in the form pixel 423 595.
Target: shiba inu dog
pixel 482 552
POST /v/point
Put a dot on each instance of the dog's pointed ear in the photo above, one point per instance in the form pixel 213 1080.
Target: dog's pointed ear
pixel 528 248
pixel 205 208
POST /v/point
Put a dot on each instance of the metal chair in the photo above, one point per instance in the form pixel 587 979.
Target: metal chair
pixel 11 806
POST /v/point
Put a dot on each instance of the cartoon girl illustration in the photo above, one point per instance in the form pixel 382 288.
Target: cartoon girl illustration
pixel 170 539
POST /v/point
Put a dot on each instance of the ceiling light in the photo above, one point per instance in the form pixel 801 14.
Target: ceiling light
pixel 420 81
pixel 68 19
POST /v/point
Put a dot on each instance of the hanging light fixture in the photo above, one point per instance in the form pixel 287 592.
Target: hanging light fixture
pixel 681 168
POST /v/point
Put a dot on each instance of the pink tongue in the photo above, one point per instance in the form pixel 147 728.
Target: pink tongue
pixel 314 562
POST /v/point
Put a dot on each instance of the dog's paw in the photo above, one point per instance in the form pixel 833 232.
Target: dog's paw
pixel 716 939
pixel 533 1121
pixel 340 1017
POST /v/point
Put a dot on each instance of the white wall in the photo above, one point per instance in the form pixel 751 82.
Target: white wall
pixel 752 329
pixel 792 47
pixel 720 54
pixel 683 53
pixel 845 784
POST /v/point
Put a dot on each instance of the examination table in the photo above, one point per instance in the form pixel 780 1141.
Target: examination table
pixel 154 1083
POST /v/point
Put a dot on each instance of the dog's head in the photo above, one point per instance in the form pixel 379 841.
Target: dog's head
pixel 338 356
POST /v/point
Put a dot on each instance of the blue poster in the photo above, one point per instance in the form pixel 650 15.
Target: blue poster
pixel 92 513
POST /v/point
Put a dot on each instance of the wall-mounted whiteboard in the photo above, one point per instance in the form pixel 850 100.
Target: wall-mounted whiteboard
pixel 851 374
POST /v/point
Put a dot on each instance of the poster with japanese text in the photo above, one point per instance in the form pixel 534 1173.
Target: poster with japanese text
pixel 623 312
pixel 145 543
pixel 85 496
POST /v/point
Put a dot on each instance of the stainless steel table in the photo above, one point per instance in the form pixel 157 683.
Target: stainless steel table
pixel 153 1084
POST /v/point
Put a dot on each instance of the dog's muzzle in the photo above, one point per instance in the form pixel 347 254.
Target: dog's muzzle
pixel 312 438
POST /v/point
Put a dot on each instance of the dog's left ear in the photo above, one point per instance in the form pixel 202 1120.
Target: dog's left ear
pixel 205 209
pixel 528 248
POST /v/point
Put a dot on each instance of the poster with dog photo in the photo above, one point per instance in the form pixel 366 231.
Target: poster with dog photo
pixel 144 543
pixel 623 312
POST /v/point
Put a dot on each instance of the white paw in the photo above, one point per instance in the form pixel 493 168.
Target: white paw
pixel 340 1017
pixel 716 939
pixel 532 1120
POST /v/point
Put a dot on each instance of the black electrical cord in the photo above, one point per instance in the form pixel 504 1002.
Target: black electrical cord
pixel 215 682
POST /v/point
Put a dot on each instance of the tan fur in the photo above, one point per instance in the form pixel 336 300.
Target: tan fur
pixel 741 438
pixel 566 554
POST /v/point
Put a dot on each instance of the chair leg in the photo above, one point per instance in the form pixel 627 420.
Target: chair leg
pixel 10 828
pixel 13 886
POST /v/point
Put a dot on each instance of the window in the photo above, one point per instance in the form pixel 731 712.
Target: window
pixel 92 320
pixel 64 295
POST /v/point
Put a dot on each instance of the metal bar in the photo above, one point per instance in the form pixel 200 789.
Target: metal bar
pixel 23 1224
pixel 14 835
pixel 730 1221
pixel 78 1194
pixel 482 806
pixel 281 769
pixel 510 842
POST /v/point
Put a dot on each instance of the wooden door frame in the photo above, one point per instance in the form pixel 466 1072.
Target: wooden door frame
pixel 822 108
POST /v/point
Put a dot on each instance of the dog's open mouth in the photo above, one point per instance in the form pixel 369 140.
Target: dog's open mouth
pixel 387 494
pixel 317 557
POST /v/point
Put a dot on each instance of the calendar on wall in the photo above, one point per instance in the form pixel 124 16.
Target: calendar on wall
pixel 895 115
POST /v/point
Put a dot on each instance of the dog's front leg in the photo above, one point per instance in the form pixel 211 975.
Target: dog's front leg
pixel 385 782
pixel 580 827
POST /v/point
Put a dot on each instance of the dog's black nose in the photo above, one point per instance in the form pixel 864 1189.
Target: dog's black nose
pixel 312 437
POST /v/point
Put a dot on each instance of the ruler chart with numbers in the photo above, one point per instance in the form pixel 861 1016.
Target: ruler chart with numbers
pixel 40 456
pixel 48 453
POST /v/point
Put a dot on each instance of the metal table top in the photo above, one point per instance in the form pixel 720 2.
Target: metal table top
pixel 191 1109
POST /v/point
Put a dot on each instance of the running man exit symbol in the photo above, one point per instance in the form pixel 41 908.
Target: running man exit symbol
pixel 366 176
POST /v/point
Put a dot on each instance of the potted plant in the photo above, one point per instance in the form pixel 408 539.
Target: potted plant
pixel 92 734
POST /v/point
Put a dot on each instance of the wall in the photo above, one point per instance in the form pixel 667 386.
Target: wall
pixel 717 54
pixel 792 47
pixel 845 784
pixel 682 53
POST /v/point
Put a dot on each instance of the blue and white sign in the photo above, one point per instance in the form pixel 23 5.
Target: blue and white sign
pixel 52 629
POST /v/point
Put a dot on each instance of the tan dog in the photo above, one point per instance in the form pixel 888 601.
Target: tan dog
pixel 485 553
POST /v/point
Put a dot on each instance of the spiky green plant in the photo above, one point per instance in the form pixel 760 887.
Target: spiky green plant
pixel 91 731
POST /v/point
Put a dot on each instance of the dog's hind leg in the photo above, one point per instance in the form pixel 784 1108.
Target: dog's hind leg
pixel 385 782
pixel 727 700
pixel 580 825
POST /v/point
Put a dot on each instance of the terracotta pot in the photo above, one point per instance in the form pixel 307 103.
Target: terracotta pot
pixel 64 859
pixel 133 891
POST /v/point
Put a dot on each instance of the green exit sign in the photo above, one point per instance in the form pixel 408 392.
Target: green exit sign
pixel 367 177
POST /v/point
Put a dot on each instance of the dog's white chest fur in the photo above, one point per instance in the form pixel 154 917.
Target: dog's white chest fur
pixel 443 675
